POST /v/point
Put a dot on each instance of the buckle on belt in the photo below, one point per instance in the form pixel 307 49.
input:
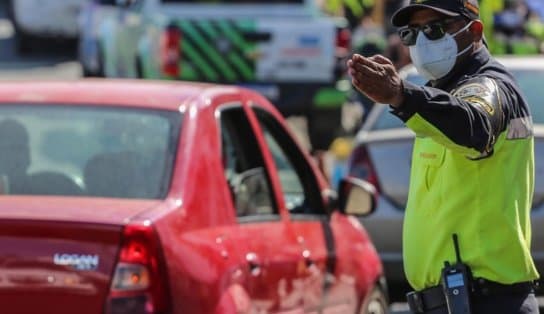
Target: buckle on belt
pixel 415 302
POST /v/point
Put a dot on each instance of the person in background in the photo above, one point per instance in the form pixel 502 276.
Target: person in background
pixel 14 156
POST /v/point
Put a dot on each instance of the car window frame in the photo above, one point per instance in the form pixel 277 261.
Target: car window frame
pixel 303 169
pixel 271 217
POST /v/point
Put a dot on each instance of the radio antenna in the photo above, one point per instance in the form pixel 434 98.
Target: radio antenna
pixel 456 246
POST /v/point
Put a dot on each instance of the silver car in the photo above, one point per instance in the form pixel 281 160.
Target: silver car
pixel 382 155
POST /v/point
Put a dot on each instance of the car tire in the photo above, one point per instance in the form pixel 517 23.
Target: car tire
pixel 139 68
pixel 375 303
pixel 23 41
pixel 324 125
pixel 100 71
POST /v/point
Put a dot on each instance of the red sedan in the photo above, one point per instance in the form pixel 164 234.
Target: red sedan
pixel 168 197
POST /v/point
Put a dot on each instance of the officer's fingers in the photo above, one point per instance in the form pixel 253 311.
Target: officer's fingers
pixel 360 60
pixel 381 60
pixel 367 71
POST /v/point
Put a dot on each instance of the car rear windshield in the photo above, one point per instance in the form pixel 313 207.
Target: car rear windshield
pixel 529 81
pixel 94 151
pixel 235 1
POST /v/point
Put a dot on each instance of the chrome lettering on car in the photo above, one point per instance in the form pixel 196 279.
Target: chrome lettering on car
pixel 77 261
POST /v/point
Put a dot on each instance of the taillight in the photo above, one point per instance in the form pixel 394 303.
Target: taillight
pixel 343 39
pixel 360 166
pixel 171 51
pixel 139 283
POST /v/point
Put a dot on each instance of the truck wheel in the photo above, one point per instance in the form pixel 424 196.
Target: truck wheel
pixel 139 68
pixel 375 303
pixel 23 43
pixel 324 125
pixel 100 58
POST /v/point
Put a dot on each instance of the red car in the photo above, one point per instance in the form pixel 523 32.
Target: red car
pixel 169 197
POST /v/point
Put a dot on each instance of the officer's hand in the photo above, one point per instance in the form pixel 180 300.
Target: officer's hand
pixel 377 78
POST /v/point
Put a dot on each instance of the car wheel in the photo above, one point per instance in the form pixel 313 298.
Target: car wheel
pixel 375 303
pixel 100 57
pixel 23 43
pixel 139 68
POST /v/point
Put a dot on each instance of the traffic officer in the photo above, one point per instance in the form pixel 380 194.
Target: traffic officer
pixel 473 161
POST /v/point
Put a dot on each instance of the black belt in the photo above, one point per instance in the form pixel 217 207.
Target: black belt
pixel 432 298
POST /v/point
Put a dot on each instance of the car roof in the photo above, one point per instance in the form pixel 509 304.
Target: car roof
pixel 522 62
pixel 167 95
pixel 509 61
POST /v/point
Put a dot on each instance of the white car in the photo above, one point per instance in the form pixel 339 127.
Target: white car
pixel 44 19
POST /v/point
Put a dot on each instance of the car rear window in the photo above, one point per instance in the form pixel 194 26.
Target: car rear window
pixel 86 150
pixel 530 82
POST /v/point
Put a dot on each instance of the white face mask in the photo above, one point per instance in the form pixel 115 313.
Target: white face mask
pixel 435 58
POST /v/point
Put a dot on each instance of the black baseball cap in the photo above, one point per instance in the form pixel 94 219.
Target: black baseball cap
pixel 467 8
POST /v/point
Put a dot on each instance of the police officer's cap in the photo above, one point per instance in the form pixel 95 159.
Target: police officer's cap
pixel 467 8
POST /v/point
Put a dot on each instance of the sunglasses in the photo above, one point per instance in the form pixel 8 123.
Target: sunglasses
pixel 433 30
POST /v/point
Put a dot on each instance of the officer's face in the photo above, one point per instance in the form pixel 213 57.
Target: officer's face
pixel 426 16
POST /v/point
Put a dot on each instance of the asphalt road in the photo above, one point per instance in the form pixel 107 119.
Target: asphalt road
pixel 57 61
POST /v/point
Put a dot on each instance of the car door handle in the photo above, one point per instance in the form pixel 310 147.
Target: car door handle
pixel 254 264
pixel 308 258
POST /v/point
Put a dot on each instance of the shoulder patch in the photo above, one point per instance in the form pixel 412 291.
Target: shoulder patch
pixel 480 92
pixel 472 89
pixel 482 103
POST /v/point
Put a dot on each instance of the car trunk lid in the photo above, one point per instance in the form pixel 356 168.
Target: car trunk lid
pixel 59 255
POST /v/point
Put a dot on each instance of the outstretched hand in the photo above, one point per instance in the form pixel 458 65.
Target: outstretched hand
pixel 377 78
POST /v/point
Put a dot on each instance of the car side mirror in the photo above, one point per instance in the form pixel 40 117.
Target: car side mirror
pixel 356 197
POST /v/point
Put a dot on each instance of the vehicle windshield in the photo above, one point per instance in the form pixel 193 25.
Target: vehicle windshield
pixel 86 150
pixel 528 80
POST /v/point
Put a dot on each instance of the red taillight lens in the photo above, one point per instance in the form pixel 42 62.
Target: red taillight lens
pixel 343 39
pixel 171 51
pixel 139 282
pixel 360 166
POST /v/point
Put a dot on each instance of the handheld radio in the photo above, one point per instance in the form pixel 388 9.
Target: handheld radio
pixel 456 283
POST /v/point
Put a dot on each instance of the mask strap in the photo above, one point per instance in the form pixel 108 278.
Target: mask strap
pixel 466 49
pixel 462 29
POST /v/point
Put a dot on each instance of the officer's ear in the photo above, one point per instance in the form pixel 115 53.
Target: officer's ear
pixel 477 30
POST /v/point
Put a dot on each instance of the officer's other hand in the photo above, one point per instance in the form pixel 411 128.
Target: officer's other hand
pixel 377 78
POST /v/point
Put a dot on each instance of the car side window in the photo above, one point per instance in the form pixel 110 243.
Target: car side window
pixel 299 186
pixel 244 166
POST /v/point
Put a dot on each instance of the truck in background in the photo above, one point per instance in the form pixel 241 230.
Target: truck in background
pixel 288 50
